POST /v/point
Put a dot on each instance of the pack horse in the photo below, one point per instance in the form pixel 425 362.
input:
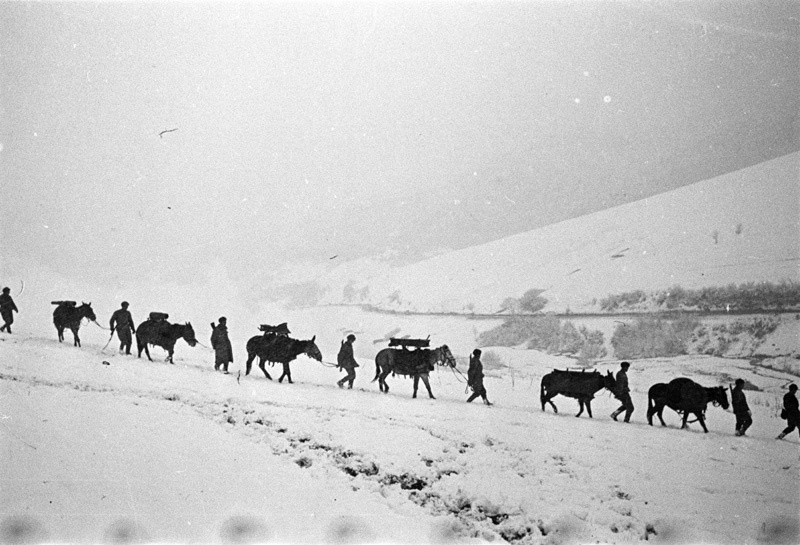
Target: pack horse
pixel 156 330
pixel 68 315
pixel 417 363
pixel 685 397
pixel 577 384
pixel 275 346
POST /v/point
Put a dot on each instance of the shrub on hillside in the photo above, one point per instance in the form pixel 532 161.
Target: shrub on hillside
pixel 593 347
pixel 652 338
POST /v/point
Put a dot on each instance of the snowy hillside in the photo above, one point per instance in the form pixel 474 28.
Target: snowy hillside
pixel 739 227
pixel 134 450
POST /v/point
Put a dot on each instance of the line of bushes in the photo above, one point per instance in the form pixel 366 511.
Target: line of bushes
pixel 784 295
pixel 547 334
pixel 649 337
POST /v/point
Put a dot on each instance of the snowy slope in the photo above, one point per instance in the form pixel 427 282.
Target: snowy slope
pixel 179 453
pixel 739 227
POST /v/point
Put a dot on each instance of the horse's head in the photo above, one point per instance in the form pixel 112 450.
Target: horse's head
pixel 609 382
pixel 86 310
pixel 188 334
pixel 446 357
pixel 312 351
pixel 719 397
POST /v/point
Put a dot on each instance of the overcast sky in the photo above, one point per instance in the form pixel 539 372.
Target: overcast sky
pixel 319 129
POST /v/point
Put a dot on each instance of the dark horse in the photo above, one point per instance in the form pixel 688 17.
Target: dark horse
pixel 70 316
pixel 683 396
pixel 416 363
pixel 164 334
pixel 279 349
pixel 578 384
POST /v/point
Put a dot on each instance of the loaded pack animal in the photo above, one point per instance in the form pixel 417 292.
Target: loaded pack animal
pixel 578 384
pixel 414 363
pixel 277 348
pixel 159 332
pixel 685 397
pixel 67 315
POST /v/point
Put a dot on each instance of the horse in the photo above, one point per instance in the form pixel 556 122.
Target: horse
pixel 279 349
pixel 164 334
pixel 684 396
pixel 70 316
pixel 417 363
pixel 580 385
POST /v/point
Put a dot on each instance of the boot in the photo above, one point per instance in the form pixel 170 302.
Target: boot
pixel 615 414
pixel 781 436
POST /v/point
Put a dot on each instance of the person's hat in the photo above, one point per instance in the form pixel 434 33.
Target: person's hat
pixel 6 290
pixel 793 387
pixel 351 337
pixel 625 364
pixel 477 352
pixel 124 303
pixel 222 319
pixel 739 382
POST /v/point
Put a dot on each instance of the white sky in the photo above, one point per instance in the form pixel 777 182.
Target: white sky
pixel 308 130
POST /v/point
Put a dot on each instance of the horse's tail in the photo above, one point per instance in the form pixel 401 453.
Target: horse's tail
pixel 378 357
pixel 543 390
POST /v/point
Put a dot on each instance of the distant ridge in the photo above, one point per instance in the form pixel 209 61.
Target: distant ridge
pixel 743 226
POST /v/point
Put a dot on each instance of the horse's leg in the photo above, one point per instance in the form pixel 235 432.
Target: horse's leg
pixel 147 351
pixel 549 399
pixel 263 367
pixel 286 373
pixel 416 385
pixel 702 421
pixel 76 341
pixel 427 383
pixel 660 413
pixel 250 357
pixel 685 418
pixel 580 405
pixel 382 380
pixel 60 333
pixel 589 407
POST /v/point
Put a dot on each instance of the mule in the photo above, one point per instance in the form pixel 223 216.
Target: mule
pixel 70 316
pixel 415 363
pixel 577 384
pixel 164 334
pixel 279 349
pixel 685 397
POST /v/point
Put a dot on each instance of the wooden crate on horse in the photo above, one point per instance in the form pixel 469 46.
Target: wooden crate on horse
pixel 412 343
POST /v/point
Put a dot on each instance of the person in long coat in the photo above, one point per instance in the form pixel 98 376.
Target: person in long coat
pixel 623 393
pixel 7 309
pixel 740 408
pixel 475 377
pixel 122 322
pixel 790 405
pixel 223 351
pixel 347 362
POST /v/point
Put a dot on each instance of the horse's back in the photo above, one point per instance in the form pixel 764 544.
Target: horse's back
pixel 572 382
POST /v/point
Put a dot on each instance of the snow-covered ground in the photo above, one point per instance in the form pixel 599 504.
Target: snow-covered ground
pixel 138 450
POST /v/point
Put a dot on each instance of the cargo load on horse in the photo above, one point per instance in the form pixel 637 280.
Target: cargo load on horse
pixel 280 329
pixel 64 303
pixel 158 316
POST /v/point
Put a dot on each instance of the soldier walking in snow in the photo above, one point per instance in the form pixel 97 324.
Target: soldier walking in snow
pixel 792 411
pixel 223 351
pixel 122 322
pixel 623 393
pixel 475 377
pixel 347 361
pixel 7 309
pixel 740 408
